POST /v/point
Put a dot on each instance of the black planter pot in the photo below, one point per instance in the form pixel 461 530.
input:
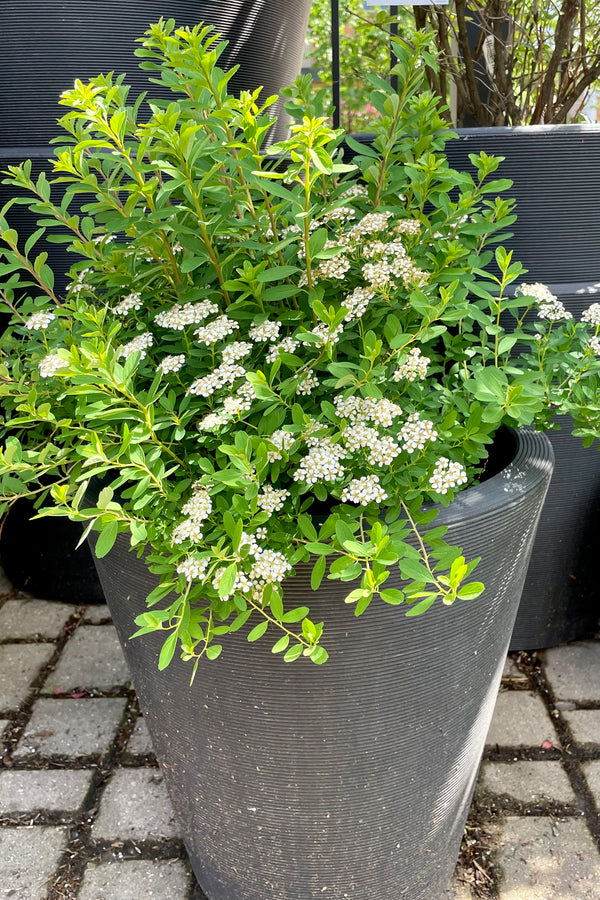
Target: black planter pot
pixel 46 44
pixel 355 778
pixel 65 40
pixel 557 237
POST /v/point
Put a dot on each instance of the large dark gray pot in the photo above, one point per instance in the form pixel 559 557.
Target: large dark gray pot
pixel 354 779
pixel 555 170
pixel 46 44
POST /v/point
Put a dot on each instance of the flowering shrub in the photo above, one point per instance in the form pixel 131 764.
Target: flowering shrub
pixel 271 357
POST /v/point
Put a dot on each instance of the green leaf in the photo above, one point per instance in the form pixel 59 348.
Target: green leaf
pixel 276 605
pixel 106 539
pixel 419 608
pixel 293 653
pixel 282 644
pixel 213 651
pixel 258 631
pixel 295 615
pixel 277 273
pixel 316 576
pixel 227 580
pixel 412 569
pixel 167 651
pixel 471 591
pixel 319 655
pixel 392 596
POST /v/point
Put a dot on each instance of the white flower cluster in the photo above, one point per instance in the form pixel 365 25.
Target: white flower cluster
pixel 139 344
pixel 224 374
pixel 272 499
pixel 327 335
pixel 212 421
pixel 360 435
pixel 595 345
pixel 283 440
pixel 415 366
pixel 370 224
pixel 408 226
pixel 192 568
pixel 178 316
pixel 197 509
pixel 287 345
pixel 336 267
pixel 549 306
pixel 308 384
pixel 131 301
pixel 323 463
pixel 357 190
pixel 215 330
pixel 384 451
pixel 339 214
pixel 356 303
pixel 592 314
pixel 367 409
pixel 446 475
pixel 51 364
pixel 39 320
pixel 79 284
pixel 363 491
pixel 171 363
pixel 416 432
pixel 269 566
pixel 236 350
pixel 266 331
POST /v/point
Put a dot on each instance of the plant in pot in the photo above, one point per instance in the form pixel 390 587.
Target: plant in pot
pixel 516 78
pixel 78 40
pixel 269 397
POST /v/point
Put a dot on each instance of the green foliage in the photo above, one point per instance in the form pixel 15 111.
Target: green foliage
pixel 269 360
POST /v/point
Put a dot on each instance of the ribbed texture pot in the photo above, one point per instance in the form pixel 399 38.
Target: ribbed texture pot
pixel 46 44
pixel 354 779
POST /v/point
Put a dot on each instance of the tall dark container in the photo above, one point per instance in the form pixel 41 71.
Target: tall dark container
pixel 556 175
pixel 352 779
pixel 44 46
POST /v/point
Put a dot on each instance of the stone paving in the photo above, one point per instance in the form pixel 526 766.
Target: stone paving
pixel 84 814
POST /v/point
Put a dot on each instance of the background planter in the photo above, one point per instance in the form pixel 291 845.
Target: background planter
pixel 355 776
pixel 44 46
pixel 557 237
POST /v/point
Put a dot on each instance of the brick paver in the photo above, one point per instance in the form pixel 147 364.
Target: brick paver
pixel 520 720
pixel 585 725
pixel 96 614
pixel 28 859
pixel 28 618
pixel 135 806
pixel 49 789
pixel 573 671
pixel 136 879
pixel 92 659
pixel 71 727
pixel 19 665
pixel 592 773
pixel 547 859
pixel 140 742
pixel 528 782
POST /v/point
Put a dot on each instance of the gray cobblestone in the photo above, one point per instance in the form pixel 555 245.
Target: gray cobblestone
pixel 28 618
pixel 92 659
pixel 135 806
pixel 528 782
pixel 28 858
pixel 19 664
pixel 547 859
pixel 136 879
pixel 49 789
pixel 520 719
pixel 592 773
pixel 585 725
pixel 5 585
pixel 140 741
pixel 71 727
pixel 96 614
pixel 511 670
pixel 573 670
